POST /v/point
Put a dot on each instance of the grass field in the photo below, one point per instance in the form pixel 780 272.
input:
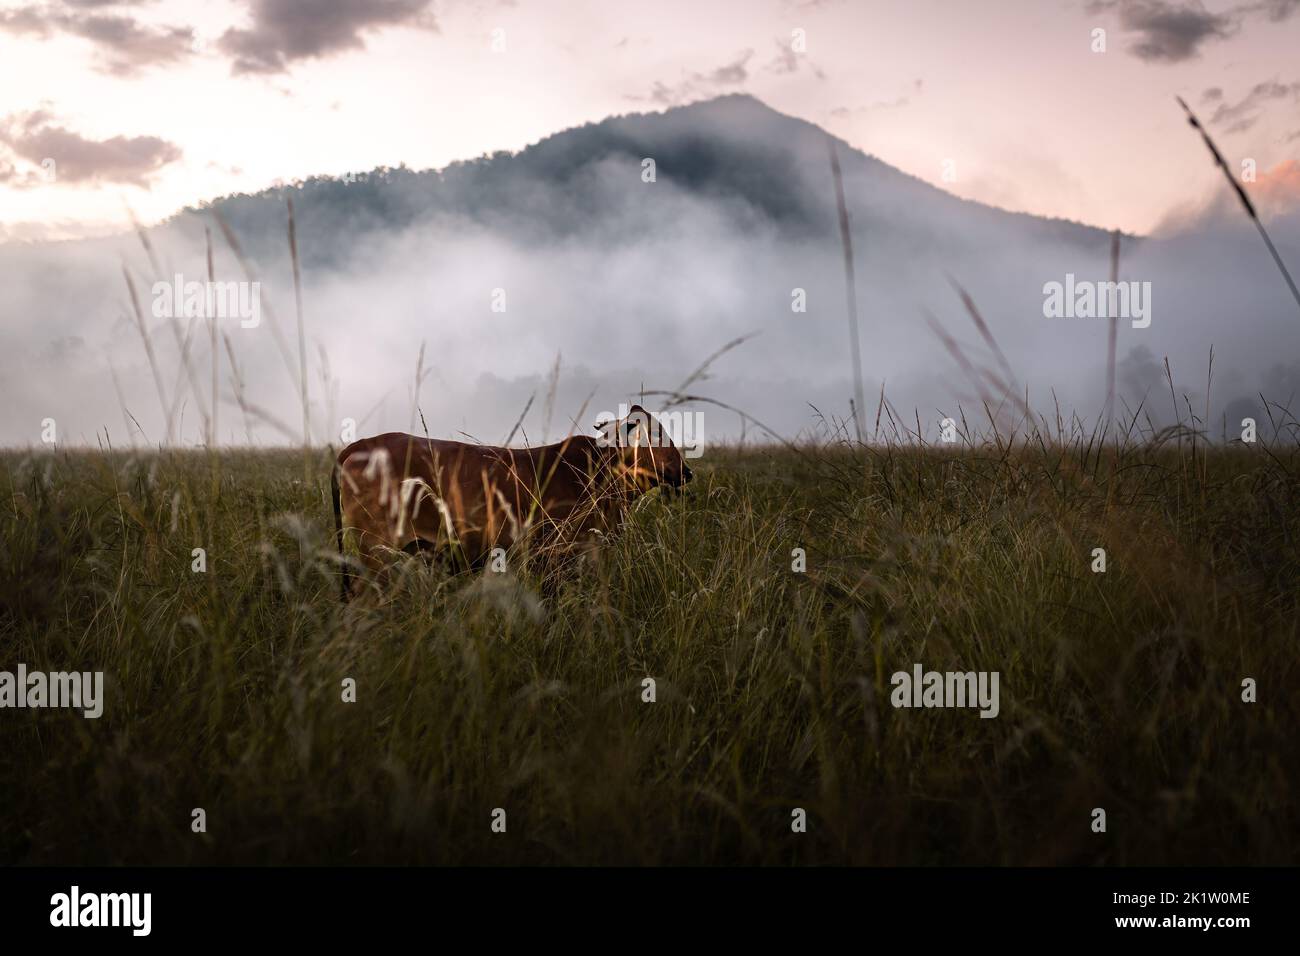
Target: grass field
pixel 1120 690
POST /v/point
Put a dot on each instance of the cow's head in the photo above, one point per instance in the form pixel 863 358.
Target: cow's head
pixel 646 455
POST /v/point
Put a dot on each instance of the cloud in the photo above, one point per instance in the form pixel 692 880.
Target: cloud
pixel 1275 192
pixel 844 112
pixel 696 84
pixel 68 157
pixel 283 31
pixel 1278 189
pixel 730 73
pixel 1242 115
pixel 1275 10
pixel 123 44
pixel 1168 32
pixel 1171 31
pixel 788 61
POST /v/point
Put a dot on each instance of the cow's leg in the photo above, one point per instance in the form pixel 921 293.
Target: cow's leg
pixel 375 555
pixel 367 519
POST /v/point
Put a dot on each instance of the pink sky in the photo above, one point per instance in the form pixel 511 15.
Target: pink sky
pixel 155 104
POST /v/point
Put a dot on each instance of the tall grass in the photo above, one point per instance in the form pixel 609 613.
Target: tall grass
pixel 850 291
pixel 1119 690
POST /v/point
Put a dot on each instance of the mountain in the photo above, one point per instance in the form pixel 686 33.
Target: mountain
pixel 768 170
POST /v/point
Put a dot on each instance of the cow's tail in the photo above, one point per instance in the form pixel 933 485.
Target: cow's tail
pixel 345 576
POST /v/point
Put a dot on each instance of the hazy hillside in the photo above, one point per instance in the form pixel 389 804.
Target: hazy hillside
pixel 631 284
pixel 765 169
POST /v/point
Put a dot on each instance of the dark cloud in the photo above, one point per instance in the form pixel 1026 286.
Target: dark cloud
pixel 127 46
pixel 283 31
pixel 36 138
pixel 123 44
pixel 1170 31
pixel 1166 31
pixel 1242 115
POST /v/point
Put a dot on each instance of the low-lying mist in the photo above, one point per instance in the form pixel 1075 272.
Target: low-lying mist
pixel 662 275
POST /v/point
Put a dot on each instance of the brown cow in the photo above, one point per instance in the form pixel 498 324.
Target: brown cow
pixel 400 492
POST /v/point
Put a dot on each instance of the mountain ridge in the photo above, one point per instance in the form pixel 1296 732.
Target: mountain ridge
pixel 734 148
pixel 772 167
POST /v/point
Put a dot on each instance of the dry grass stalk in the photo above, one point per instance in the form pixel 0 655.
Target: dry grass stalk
pixel 850 287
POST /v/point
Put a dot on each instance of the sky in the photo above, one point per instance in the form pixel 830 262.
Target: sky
pixel 143 107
